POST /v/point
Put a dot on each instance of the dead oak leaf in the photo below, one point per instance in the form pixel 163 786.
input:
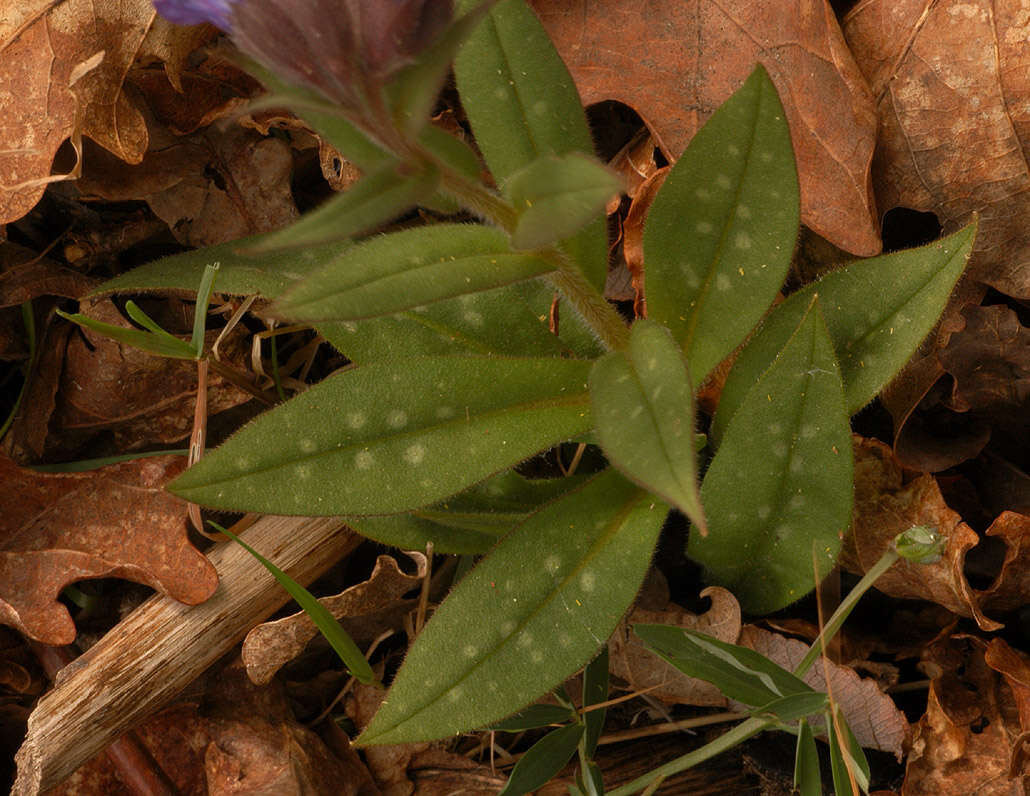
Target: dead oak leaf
pixel 953 99
pixel 115 522
pixel 674 63
pixel 871 714
pixel 62 66
pixel 888 500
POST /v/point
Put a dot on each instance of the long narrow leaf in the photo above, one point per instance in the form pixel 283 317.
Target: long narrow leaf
pixel 720 234
pixel 543 760
pixel 528 616
pixel 326 623
pixel 411 268
pixel 394 436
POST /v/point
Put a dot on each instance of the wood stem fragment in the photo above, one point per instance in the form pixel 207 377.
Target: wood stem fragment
pixel 162 646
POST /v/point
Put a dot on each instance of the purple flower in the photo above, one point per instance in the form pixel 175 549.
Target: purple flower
pixel 193 12
pixel 343 48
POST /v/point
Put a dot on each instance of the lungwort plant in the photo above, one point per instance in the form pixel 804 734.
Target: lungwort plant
pixel 457 378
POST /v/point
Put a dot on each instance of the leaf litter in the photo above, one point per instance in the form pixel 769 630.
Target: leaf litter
pixel 151 120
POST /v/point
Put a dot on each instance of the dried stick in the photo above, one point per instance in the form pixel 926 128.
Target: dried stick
pixel 162 646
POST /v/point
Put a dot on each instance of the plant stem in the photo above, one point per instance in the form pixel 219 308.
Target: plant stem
pixel 739 734
pixel 595 310
pixel 845 608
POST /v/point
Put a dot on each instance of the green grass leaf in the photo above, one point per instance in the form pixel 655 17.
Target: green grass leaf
pixel 326 623
pixel 877 311
pixel 740 673
pixel 410 268
pixel 807 778
pixel 556 197
pixel 595 691
pixel 522 104
pixel 644 410
pixel 719 237
pixel 793 707
pixel 531 613
pixel 779 490
pixel 543 760
pixel 393 436
pixel 534 716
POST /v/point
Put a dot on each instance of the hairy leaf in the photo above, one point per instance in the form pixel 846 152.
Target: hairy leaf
pixel 522 104
pixel 394 436
pixel 779 490
pixel 470 522
pixel 555 197
pixel 720 234
pixel 740 673
pixel 877 312
pixel 543 760
pixel 644 410
pixel 530 614
pixel 375 199
pixel 410 268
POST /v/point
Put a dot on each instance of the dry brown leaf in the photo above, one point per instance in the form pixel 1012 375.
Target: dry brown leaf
pixel 268 647
pixel 138 398
pixel 115 522
pixel 871 714
pixel 990 362
pixel 698 53
pixel 388 763
pixel 1011 588
pixel 211 187
pixel 645 671
pixel 887 502
pixel 950 79
pixel 62 67
pixel 963 743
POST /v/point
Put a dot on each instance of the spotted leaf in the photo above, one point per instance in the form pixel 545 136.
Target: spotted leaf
pixel 720 234
pixel 778 492
pixel 533 612
pixel 644 410
pixel 393 436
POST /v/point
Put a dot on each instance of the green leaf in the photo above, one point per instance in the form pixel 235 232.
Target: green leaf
pixel 595 691
pixel 793 707
pixel 877 312
pixel 593 781
pixel 239 274
pixel 470 522
pixel 410 268
pixel 392 437
pixel 556 197
pixel 719 237
pixel 807 778
pixel 846 755
pixel 522 103
pixel 543 760
pixel 326 623
pixel 740 673
pixel 161 344
pixel 644 410
pixel 778 492
pixel 534 716
pixel 415 89
pixel 375 199
pixel 921 544
pixel 530 614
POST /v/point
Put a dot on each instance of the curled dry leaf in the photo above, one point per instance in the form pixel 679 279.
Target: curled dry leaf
pixel 115 522
pixel 698 53
pixel 61 74
pixel 871 714
pixel 888 501
pixel 963 744
pixel 645 671
pixel 377 601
